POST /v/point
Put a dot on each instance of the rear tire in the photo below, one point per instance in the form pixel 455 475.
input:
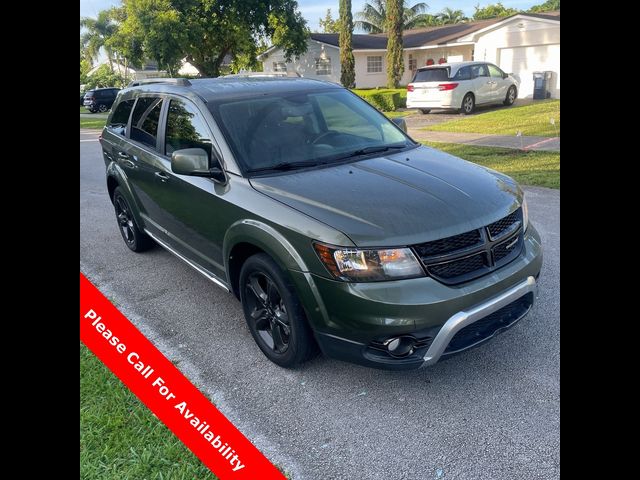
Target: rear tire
pixel 133 236
pixel 468 104
pixel 424 111
pixel 103 108
pixel 512 94
pixel 273 312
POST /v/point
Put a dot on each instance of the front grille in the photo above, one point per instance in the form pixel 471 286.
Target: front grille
pixel 506 248
pixel 486 327
pixel 450 244
pixel 457 268
pixel 499 227
pixel 460 258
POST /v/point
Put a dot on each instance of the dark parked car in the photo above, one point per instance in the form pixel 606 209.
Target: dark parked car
pixel 100 99
pixel 332 226
pixel 82 99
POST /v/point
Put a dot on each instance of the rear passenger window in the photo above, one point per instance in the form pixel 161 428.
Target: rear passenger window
pixel 185 129
pixel 463 73
pixel 120 117
pixel 144 122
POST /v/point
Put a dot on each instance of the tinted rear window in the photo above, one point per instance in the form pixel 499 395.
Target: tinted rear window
pixel 432 75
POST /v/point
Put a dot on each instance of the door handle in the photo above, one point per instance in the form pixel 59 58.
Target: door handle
pixel 162 176
pixel 126 159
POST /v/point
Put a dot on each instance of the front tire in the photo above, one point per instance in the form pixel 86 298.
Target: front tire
pixel 133 236
pixel 424 111
pixel 512 93
pixel 468 104
pixel 273 312
pixel 103 108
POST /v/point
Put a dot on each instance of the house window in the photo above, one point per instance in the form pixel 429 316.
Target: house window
pixel 279 67
pixel 323 66
pixel 413 63
pixel 374 64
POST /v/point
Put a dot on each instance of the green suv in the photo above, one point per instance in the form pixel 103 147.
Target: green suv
pixel 332 227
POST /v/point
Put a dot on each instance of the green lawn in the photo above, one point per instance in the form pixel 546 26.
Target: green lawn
pixel 398 114
pixel 120 438
pixel 89 122
pixel 531 119
pixel 541 169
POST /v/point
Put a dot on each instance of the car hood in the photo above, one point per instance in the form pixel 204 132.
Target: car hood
pixel 400 199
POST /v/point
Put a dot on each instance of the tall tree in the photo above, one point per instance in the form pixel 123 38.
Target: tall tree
pixel 492 11
pixel 206 31
pixel 547 6
pixel 448 16
pixel 347 62
pixel 328 24
pixel 97 31
pixel 372 18
pixel 395 62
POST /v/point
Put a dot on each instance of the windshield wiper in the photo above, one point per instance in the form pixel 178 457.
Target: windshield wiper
pixel 281 167
pixel 373 149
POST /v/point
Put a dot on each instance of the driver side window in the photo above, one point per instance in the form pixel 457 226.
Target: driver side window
pixel 495 71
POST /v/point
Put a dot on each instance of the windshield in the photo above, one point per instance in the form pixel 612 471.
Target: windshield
pixel 293 130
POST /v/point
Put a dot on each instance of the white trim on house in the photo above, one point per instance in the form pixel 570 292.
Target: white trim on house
pixel 473 37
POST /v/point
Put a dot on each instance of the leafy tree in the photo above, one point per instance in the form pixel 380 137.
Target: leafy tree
pixel 97 32
pixel 492 11
pixel 395 62
pixel 347 62
pixel 204 32
pixel 547 6
pixel 104 77
pixel 149 29
pixel 328 24
pixel 448 16
pixel 372 18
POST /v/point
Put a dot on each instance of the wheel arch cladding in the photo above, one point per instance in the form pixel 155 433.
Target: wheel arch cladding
pixel 248 237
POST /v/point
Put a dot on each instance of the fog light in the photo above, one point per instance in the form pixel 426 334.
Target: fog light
pixel 400 346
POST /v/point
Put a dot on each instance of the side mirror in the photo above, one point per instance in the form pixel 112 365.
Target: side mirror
pixel 195 162
pixel 401 123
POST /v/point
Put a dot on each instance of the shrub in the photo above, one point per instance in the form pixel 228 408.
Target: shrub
pixel 385 99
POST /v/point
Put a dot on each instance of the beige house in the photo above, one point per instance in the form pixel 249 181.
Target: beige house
pixel 520 44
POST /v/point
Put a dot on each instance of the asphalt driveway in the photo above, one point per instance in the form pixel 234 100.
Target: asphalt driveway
pixel 490 413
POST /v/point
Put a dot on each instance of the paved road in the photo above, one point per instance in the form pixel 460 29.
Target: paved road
pixel 491 413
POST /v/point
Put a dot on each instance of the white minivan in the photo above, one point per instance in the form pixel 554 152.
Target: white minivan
pixel 460 85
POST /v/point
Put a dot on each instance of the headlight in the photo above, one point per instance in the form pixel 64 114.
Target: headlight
pixel 525 214
pixel 358 265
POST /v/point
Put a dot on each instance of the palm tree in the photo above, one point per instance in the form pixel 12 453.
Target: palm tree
pixel 98 31
pixel 448 16
pixel 373 15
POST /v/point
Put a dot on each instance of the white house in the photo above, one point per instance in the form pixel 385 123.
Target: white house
pixel 520 44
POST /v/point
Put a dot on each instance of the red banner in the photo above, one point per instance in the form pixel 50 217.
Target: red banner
pixel 166 391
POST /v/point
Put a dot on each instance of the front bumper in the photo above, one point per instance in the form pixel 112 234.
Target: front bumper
pixel 352 320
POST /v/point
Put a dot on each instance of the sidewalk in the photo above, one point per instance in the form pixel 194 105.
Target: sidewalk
pixel 548 144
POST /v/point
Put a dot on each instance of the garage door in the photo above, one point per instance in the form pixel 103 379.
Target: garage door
pixel 523 61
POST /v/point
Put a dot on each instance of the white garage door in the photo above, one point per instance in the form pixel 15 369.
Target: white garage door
pixel 523 61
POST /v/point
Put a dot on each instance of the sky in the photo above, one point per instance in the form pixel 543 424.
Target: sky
pixel 313 10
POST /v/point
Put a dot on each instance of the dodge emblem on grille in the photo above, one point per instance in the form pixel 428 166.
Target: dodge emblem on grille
pixel 511 244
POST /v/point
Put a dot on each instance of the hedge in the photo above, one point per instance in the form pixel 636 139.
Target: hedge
pixel 385 99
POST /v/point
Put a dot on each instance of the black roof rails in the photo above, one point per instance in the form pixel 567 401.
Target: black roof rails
pixel 183 82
